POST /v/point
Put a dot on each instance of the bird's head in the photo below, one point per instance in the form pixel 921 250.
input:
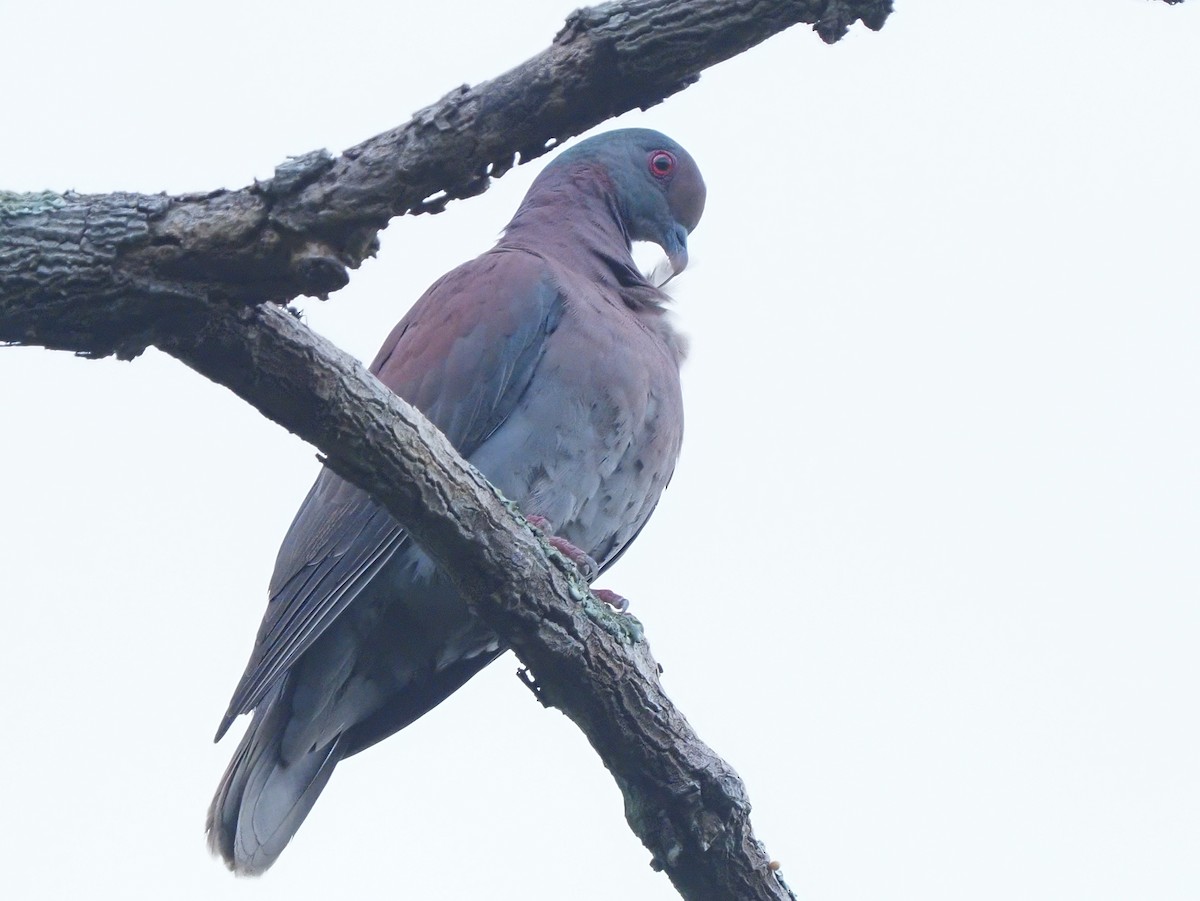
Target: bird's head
pixel 657 186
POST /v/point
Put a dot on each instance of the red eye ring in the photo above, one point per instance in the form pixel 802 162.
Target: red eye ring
pixel 662 163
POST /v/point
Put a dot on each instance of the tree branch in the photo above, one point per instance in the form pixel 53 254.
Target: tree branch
pixel 116 273
pixel 99 274
pixel 682 800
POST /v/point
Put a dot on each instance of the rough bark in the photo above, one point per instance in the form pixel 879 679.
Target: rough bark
pixel 683 801
pixel 99 274
pixel 116 273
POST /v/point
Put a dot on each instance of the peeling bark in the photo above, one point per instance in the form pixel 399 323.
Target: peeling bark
pixel 94 274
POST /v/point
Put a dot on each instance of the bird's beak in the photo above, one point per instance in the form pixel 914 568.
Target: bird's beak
pixel 675 247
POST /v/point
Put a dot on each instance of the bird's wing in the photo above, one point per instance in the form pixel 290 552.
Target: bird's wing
pixel 463 355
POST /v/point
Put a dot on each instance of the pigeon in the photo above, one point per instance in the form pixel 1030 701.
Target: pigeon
pixel 550 364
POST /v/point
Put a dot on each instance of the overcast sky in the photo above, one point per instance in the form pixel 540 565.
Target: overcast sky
pixel 927 573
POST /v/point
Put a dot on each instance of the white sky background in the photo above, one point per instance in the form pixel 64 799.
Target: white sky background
pixel 926 576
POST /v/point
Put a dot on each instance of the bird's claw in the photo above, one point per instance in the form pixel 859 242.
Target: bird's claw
pixel 584 562
pixel 618 602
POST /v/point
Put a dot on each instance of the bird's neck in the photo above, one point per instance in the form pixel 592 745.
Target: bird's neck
pixel 573 216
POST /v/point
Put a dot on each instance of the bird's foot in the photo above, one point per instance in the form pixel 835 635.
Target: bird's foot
pixel 584 562
pixel 618 602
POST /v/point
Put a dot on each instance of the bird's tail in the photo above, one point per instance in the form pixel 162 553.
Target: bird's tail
pixel 262 798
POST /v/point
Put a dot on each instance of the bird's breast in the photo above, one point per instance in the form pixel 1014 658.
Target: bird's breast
pixel 593 441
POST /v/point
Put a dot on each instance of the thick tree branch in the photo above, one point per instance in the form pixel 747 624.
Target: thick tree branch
pixel 99 274
pixel 683 801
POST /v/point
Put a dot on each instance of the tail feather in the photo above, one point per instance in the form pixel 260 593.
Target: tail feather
pixel 262 800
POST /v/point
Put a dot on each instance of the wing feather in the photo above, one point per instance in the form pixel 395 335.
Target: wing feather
pixel 463 356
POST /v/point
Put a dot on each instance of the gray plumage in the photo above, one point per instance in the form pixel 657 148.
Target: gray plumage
pixel 550 365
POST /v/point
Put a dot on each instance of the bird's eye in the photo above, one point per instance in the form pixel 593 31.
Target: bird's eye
pixel 662 163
